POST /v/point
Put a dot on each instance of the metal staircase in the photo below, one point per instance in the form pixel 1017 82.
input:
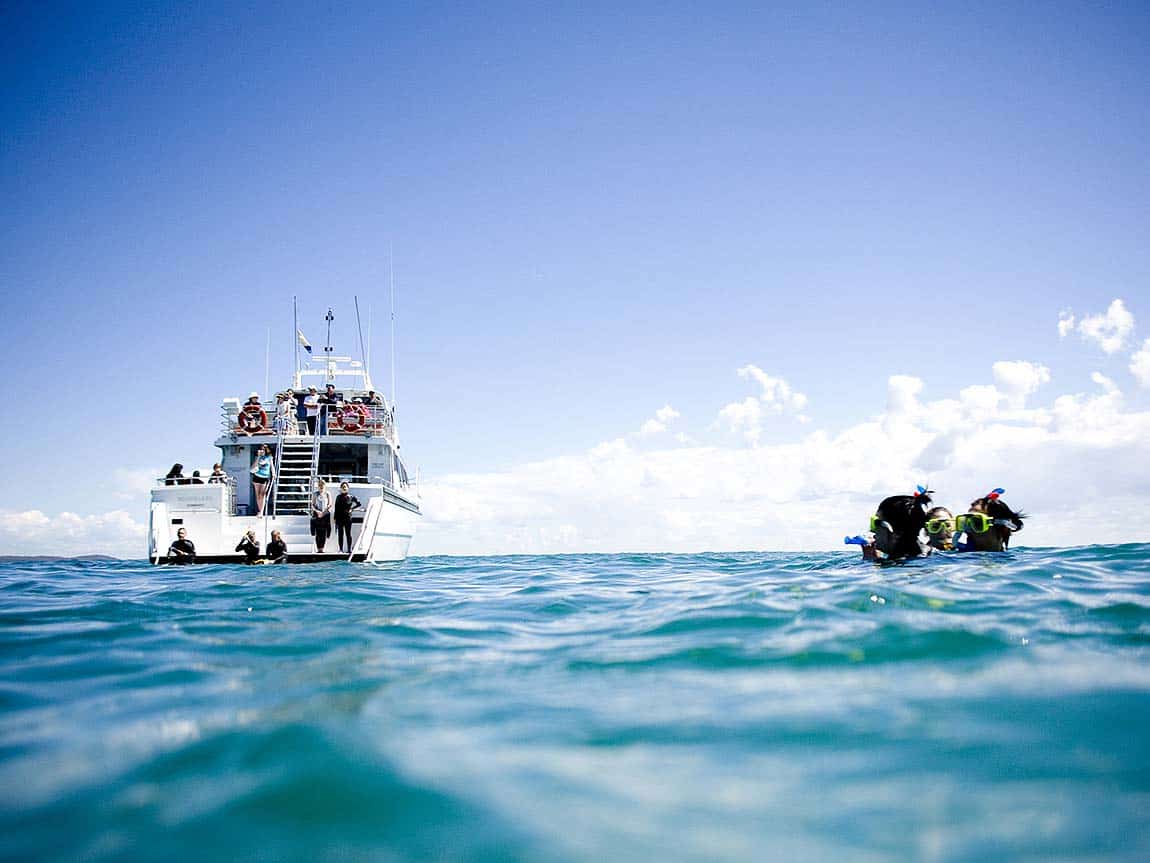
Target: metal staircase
pixel 296 475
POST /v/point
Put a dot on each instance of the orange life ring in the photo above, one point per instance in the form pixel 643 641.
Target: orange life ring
pixel 253 419
pixel 351 418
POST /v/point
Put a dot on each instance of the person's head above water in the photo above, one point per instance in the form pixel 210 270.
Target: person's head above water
pixel 898 523
pixel 940 528
pixel 989 523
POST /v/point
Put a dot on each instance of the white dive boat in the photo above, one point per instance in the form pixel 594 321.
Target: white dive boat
pixel 355 441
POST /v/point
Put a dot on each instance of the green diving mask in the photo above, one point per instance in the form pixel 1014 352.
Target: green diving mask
pixel 978 522
pixel 935 526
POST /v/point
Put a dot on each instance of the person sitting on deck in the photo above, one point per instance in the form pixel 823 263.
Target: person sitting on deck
pixel 250 547
pixel 277 549
pixel 183 550
pixel 175 475
pixel 372 398
pixel 218 474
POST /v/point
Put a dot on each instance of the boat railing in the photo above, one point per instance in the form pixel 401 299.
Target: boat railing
pixel 346 418
pixel 196 480
pixel 334 479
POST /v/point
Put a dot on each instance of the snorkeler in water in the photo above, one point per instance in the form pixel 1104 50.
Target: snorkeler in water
pixel 988 525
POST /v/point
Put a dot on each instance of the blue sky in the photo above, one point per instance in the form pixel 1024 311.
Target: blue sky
pixel 596 212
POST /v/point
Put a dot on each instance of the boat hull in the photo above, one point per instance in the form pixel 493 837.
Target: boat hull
pixel 381 532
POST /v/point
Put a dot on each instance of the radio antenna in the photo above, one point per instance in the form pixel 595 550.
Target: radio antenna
pixel 391 280
pixel 362 351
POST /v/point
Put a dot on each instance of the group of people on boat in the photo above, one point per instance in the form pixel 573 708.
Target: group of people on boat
pixel 249 546
pixel 907 525
pixel 322 509
pixel 311 410
pixel 175 476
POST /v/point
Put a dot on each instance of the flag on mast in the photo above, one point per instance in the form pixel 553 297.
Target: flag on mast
pixel 302 341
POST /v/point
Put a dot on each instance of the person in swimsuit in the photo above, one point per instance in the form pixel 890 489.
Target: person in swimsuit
pixel 262 477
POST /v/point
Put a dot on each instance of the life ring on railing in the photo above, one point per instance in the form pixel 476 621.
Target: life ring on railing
pixel 351 418
pixel 253 419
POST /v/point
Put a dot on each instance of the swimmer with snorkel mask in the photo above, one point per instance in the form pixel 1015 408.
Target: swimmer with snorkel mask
pixel 903 527
pixel 987 525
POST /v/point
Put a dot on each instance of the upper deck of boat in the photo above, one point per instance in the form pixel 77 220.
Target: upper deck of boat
pixel 348 417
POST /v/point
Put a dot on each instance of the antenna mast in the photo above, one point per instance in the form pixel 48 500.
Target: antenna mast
pixel 329 317
pixel 295 337
pixel 362 352
pixel 391 280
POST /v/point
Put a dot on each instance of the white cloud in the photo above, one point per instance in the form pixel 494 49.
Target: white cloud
pixel 1065 323
pixel 1140 364
pixel 658 423
pixel 1019 379
pixel 776 398
pixel 1108 330
pixel 114 533
pixel 1067 461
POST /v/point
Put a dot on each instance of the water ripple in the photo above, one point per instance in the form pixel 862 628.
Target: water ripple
pixel 580 707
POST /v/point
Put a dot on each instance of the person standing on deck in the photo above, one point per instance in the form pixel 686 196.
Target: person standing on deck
pixel 311 406
pixel 320 515
pixel 262 471
pixel 345 502
pixel 328 403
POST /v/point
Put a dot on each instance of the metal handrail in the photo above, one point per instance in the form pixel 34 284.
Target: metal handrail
pixel 380 419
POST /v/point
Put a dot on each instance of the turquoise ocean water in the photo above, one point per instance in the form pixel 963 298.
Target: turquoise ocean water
pixel 602 707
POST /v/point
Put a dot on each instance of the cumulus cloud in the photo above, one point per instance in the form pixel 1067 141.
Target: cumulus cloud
pixel 1140 364
pixel 114 533
pixel 1019 379
pixel 776 398
pixel 658 423
pixel 1108 330
pixel 1065 460
pixel 1066 323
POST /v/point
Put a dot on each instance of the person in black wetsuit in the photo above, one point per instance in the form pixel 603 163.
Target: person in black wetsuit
pixel 175 475
pixel 250 547
pixel 183 550
pixel 344 504
pixel 277 549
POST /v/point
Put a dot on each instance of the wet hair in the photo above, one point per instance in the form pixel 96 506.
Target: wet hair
pixel 939 512
pixel 906 515
pixel 997 508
